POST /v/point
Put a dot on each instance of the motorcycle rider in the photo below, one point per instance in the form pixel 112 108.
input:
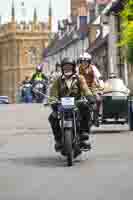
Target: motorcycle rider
pixel 68 84
pixel 38 75
pixel 55 74
pixel 57 70
pixel 94 81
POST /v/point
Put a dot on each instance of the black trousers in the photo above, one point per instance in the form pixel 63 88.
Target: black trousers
pixel 55 125
pixel 84 118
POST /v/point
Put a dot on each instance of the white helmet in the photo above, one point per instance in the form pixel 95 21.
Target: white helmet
pixel 86 56
pixel 81 56
pixel 112 75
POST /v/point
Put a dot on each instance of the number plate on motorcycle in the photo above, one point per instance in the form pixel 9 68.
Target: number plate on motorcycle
pixel 39 86
pixel 67 101
pixel 68 124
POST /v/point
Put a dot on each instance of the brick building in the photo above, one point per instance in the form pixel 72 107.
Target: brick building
pixel 21 47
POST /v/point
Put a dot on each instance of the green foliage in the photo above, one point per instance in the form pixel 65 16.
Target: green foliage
pixel 130 54
pixel 127 28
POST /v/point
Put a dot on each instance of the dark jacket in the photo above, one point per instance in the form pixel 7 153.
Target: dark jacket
pixel 77 89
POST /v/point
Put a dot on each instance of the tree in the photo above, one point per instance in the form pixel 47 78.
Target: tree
pixel 127 29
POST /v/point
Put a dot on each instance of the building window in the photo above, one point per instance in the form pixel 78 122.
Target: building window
pixel 5 56
pixel 32 55
pixel 17 55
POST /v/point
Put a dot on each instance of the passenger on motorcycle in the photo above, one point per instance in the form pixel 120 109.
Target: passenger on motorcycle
pixel 94 81
pixel 69 84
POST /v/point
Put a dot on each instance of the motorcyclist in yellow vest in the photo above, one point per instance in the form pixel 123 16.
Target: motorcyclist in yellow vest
pixel 38 75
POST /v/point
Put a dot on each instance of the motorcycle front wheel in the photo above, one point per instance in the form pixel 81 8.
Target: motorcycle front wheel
pixel 68 146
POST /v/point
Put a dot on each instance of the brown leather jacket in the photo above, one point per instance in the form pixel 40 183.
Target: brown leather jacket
pixel 89 77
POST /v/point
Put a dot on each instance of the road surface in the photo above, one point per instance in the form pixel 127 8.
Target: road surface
pixel 31 170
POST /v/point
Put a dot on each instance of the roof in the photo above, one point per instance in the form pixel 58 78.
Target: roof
pixel 97 44
pixel 59 44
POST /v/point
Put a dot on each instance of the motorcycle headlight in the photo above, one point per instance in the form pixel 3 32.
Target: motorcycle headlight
pixel 39 86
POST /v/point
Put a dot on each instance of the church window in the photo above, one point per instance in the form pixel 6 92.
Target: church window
pixel 33 55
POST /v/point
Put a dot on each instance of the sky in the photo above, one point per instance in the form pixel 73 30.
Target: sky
pixel 61 9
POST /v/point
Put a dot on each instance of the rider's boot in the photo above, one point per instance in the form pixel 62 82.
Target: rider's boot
pixel 96 119
pixel 77 151
pixel 58 145
pixel 84 141
pixel 85 146
pixel 56 131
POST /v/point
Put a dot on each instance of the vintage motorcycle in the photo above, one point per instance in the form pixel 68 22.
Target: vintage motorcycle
pixel 39 89
pixel 69 117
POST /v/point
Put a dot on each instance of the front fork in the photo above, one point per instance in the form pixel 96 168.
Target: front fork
pixel 73 128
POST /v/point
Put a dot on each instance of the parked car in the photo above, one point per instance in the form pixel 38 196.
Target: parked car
pixel 4 100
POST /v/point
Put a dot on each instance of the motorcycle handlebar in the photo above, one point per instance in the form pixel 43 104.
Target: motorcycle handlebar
pixel 57 101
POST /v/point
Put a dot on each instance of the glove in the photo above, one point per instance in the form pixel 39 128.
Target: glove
pixel 52 99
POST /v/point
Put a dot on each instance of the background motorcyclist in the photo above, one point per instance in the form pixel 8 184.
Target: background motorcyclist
pixel 68 84
pixel 94 81
pixel 38 75
pixel 55 74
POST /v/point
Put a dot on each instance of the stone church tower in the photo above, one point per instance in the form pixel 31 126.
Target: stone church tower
pixel 21 49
